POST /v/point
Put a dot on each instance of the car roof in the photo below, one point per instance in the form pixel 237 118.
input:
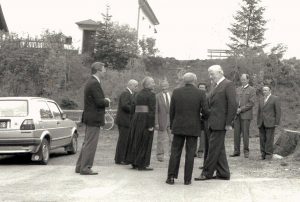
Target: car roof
pixel 24 98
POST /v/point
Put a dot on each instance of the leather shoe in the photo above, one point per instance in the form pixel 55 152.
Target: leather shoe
pixel 187 182
pixel 145 169
pixel 234 155
pixel 220 178
pixel 201 167
pixel 246 155
pixel 90 172
pixel 77 170
pixel 201 178
pixel 170 180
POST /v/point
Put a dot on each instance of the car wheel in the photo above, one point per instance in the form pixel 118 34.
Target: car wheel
pixel 45 152
pixel 72 148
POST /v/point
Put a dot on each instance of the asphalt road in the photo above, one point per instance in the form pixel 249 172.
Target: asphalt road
pixel 252 179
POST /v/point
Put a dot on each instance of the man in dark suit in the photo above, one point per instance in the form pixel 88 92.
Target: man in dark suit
pixel 93 118
pixel 268 117
pixel 162 122
pixel 186 104
pixel 124 115
pixel 245 98
pixel 222 106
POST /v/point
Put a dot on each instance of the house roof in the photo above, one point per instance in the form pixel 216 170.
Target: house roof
pixel 144 5
pixel 87 22
pixel 3 25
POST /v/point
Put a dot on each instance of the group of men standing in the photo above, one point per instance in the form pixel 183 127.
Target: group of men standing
pixel 184 113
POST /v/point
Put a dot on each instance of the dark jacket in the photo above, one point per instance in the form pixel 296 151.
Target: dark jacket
pixel 125 109
pixel 222 105
pixel 245 97
pixel 269 113
pixel 186 104
pixel 94 104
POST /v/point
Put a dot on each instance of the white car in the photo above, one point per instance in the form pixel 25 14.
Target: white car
pixel 35 125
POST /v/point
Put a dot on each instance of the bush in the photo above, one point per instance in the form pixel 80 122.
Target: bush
pixel 66 103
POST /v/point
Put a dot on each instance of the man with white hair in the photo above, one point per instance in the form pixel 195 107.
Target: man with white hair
pixel 123 119
pixel 139 146
pixel 223 107
pixel 186 104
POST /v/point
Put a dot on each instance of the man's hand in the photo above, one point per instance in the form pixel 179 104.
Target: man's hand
pixel 108 100
pixel 238 110
pixel 228 127
pixel 151 129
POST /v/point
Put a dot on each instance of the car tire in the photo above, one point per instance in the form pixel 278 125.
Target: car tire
pixel 73 146
pixel 45 152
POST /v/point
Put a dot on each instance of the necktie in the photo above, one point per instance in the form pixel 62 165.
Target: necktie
pixel 167 100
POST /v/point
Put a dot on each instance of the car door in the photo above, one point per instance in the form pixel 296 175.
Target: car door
pixel 63 127
pixel 47 122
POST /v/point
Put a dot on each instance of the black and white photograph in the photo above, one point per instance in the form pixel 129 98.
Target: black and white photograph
pixel 149 100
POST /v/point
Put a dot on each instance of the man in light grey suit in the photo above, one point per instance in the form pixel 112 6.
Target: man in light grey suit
pixel 268 117
pixel 245 99
pixel 162 121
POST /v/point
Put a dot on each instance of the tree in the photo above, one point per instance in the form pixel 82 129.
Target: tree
pixel 248 29
pixel 114 44
pixel 148 46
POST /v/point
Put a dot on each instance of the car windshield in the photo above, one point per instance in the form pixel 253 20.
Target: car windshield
pixel 13 108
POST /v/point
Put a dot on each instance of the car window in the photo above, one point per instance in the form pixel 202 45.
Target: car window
pixel 55 110
pixel 13 108
pixel 45 112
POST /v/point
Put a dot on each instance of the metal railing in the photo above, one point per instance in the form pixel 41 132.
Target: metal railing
pixel 110 115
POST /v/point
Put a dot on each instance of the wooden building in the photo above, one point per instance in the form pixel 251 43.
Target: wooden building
pixel 88 28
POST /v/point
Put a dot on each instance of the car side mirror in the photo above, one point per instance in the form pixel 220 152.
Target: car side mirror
pixel 64 116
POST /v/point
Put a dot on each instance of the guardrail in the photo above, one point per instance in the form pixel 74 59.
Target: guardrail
pixel 75 115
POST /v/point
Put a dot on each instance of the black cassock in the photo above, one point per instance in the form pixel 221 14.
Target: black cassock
pixel 140 138
pixel 123 119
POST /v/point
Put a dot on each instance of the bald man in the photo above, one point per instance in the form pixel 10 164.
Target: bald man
pixel 123 119
pixel 186 104
pixel 245 99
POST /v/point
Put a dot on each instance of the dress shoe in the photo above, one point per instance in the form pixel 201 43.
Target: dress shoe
pixel 160 160
pixel 234 155
pixel 133 166
pixel 170 180
pixel 246 155
pixel 124 163
pixel 262 157
pixel 145 169
pixel 187 182
pixel 90 172
pixel 201 167
pixel 201 178
pixel 220 178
